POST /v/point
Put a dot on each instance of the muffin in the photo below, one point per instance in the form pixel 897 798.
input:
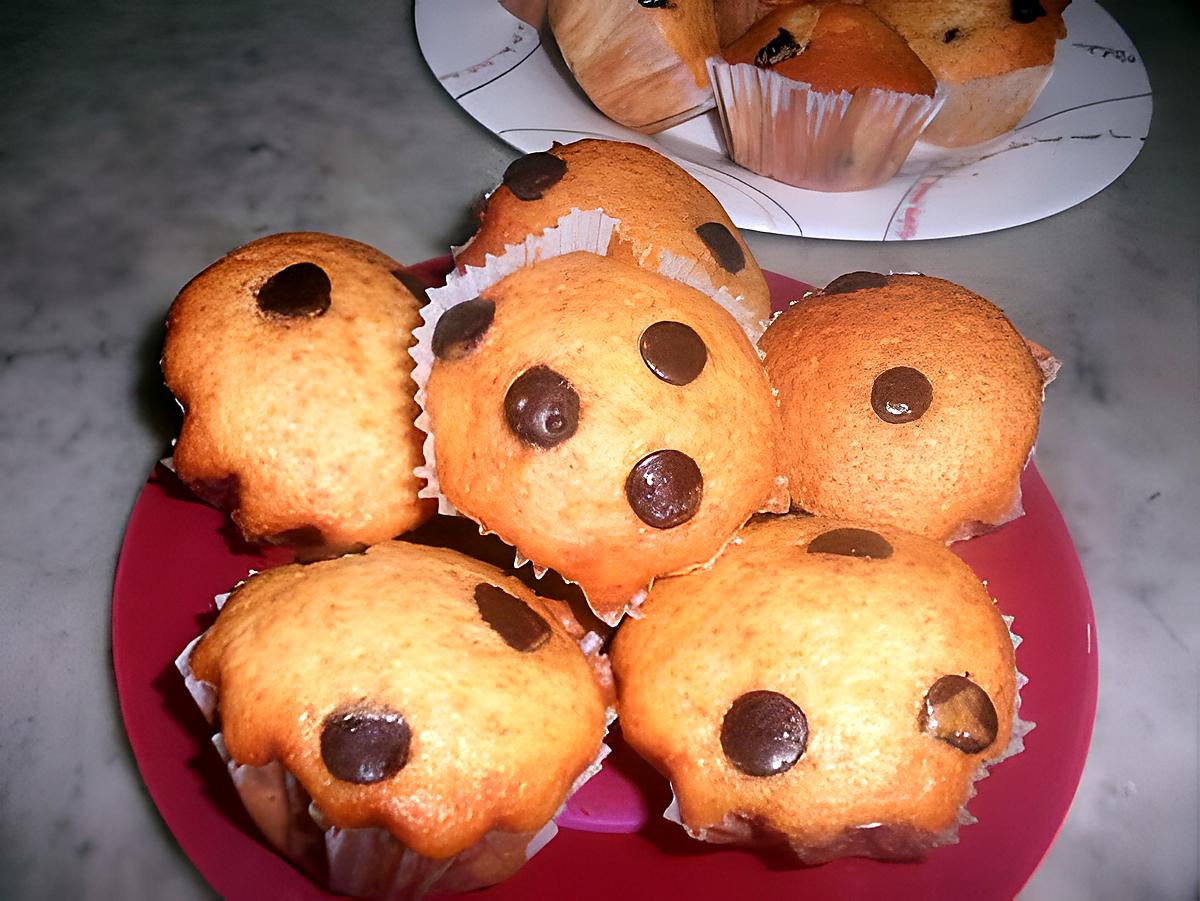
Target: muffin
pixel 610 423
pixel 827 686
pixel 399 721
pixel 666 217
pixel 991 58
pixel 822 96
pixel 641 62
pixel 906 401
pixel 734 17
pixel 289 357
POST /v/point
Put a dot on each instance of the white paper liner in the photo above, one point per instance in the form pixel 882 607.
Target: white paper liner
pixel 980 109
pixel 580 230
pixel 825 141
pixel 371 862
pixel 882 840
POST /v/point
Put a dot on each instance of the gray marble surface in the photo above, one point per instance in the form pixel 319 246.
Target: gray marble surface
pixel 141 140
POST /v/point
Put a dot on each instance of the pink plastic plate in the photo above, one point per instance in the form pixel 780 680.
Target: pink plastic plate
pixel 179 553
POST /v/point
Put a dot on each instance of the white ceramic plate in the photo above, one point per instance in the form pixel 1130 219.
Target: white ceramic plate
pixel 1083 132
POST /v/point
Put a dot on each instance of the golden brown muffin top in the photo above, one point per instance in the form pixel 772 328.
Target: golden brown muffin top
pixel 660 207
pixel 409 688
pixel 962 39
pixel 821 677
pixel 610 423
pixel 290 358
pixel 833 47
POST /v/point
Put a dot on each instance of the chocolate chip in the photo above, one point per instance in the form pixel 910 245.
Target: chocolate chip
pixel 655 4
pixel 365 746
pixel 960 713
pixel 901 394
pixel 1026 11
pixel 724 246
pixel 511 618
pixel 855 281
pixel 764 733
pixel 223 493
pixel 782 46
pixel 673 351
pixel 415 286
pixel 301 289
pixel 460 329
pixel 950 35
pixel 541 407
pixel 665 488
pixel 530 176
pixel 851 543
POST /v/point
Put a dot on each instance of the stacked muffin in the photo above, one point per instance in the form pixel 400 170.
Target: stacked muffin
pixel 820 94
pixel 385 714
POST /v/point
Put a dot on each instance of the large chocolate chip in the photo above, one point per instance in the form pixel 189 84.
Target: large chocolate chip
pixel 783 46
pixel 960 713
pixel 224 493
pixel 855 281
pixel 655 4
pixel 851 543
pixel 1026 11
pixel 530 176
pixel 665 488
pixel 460 329
pixel 901 394
pixel 724 246
pixel 541 407
pixel 511 618
pixel 673 351
pixel 365 745
pixel 301 289
pixel 764 733
pixel 951 34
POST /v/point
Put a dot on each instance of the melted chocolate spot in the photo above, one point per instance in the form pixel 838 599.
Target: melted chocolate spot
pixel 530 176
pixel 415 286
pixel 511 618
pixel 541 407
pixel 673 351
pixel 365 746
pixel 901 394
pixel 855 281
pixel 782 46
pixel 462 327
pixel 301 289
pixel 665 488
pixel 851 543
pixel 724 246
pixel 960 713
pixel 1026 11
pixel 655 4
pixel 950 35
pixel 764 733
pixel 225 493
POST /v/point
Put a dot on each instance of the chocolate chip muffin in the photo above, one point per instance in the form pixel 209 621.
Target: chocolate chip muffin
pixel 611 424
pixel 992 59
pixel 827 685
pixel 660 208
pixel 641 62
pixel 290 359
pixel 906 401
pixel 435 713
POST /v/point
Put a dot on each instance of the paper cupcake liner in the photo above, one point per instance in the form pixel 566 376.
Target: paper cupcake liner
pixel 824 141
pixel 980 109
pixel 370 862
pixel 878 840
pixel 590 231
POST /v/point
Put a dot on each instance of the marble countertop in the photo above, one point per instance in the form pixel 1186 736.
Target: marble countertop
pixel 140 141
